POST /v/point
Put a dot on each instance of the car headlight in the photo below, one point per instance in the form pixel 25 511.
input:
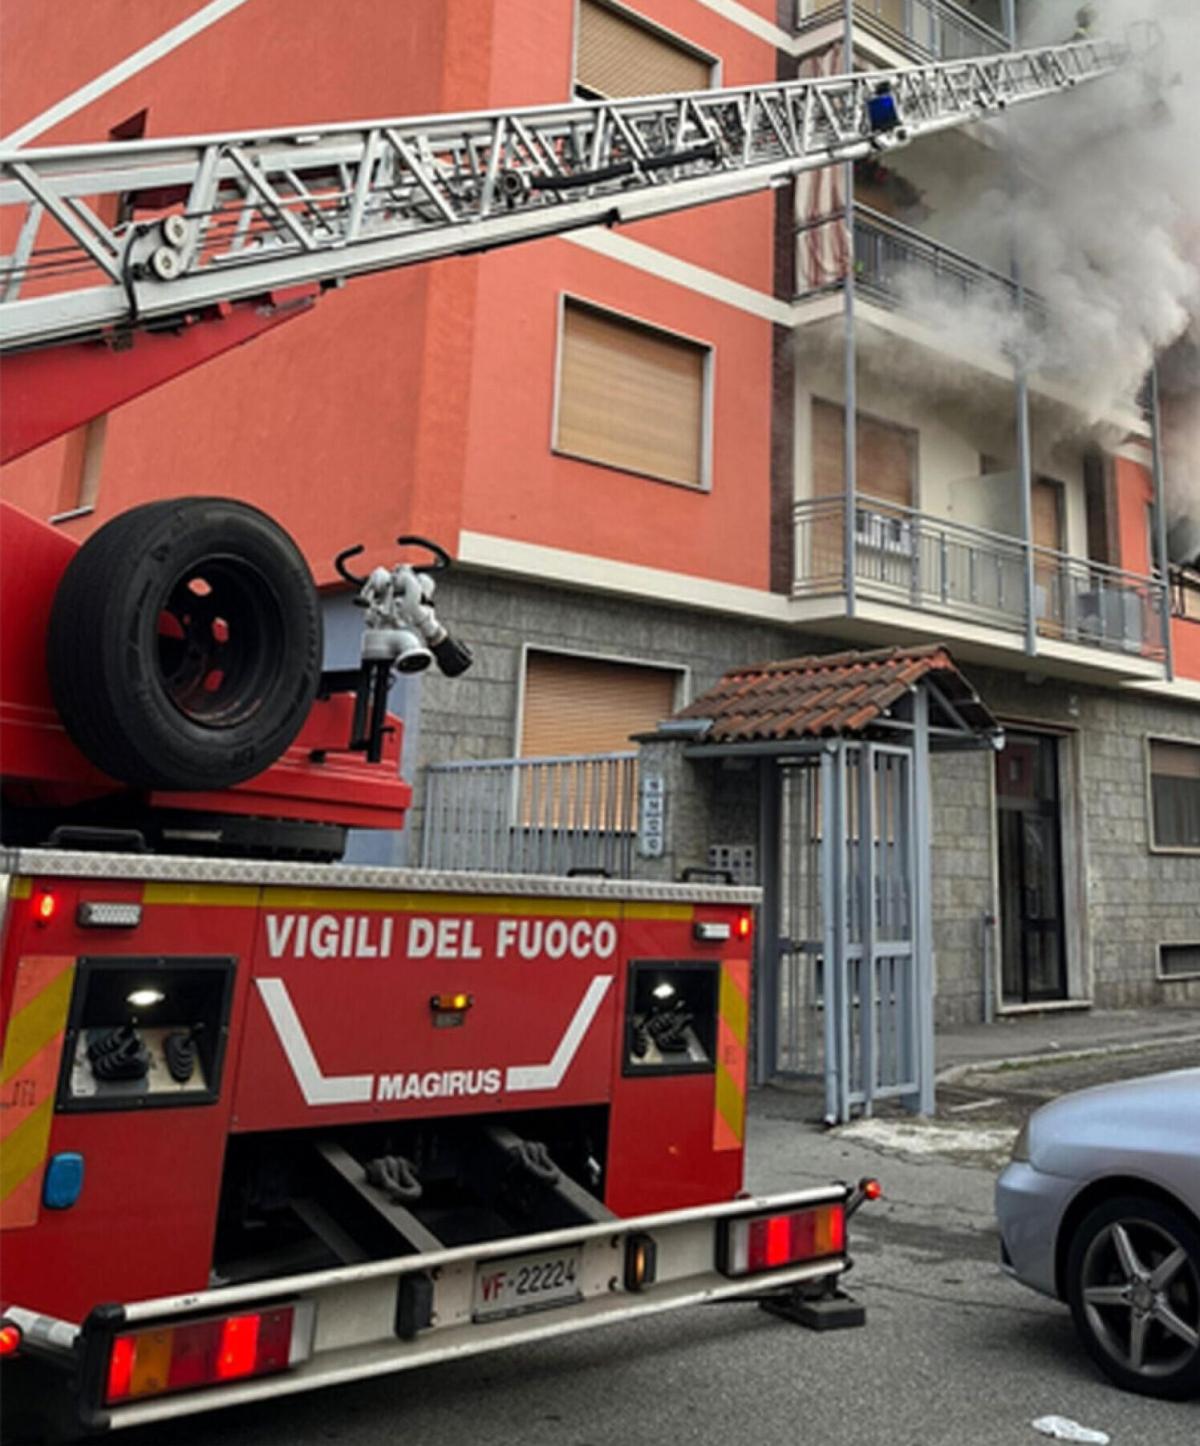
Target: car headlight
pixel 1020 1149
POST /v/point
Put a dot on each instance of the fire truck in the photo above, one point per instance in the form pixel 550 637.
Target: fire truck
pixel 271 1121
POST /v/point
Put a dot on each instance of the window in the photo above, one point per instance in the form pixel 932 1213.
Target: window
pixel 1179 961
pixel 586 706
pixel 1175 794
pixel 616 55
pixel 631 396
pixel 886 465
pixel 886 455
pixel 590 705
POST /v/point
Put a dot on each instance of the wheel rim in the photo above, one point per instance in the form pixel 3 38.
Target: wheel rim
pixel 1141 1297
pixel 220 642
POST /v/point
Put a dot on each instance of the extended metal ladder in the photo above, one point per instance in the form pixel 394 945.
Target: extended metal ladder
pixel 221 218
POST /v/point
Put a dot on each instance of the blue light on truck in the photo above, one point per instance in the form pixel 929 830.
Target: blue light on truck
pixel 63 1182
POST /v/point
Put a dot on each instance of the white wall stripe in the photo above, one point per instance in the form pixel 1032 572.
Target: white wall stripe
pixel 162 45
pixel 682 273
pixel 748 20
pixel 604 574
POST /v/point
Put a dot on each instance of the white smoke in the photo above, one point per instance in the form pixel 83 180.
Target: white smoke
pixel 1102 216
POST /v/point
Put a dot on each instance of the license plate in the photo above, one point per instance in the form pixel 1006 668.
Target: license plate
pixel 526 1282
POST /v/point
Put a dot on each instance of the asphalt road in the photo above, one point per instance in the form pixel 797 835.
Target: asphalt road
pixel 953 1353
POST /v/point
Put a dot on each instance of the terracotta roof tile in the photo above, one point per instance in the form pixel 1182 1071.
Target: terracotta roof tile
pixel 825 694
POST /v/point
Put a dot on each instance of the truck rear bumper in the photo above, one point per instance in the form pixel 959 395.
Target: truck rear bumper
pixel 394 1315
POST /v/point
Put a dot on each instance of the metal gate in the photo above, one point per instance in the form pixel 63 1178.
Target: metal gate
pixel 851 981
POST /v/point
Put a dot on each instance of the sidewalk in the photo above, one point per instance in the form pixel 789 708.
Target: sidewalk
pixel 961 1048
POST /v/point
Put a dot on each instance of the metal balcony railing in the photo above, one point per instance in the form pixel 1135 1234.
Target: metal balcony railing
pixel 906 270
pixel 930 563
pixel 923 28
pixel 898 266
pixel 532 815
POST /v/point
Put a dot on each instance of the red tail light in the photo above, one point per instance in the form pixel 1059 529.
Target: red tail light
pixel 767 1242
pixel 208 1352
pixel 120 1368
pixel 744 926
pixel 45 906
pixel 10 1338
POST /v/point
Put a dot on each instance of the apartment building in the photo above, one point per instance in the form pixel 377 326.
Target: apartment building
pixel 636 445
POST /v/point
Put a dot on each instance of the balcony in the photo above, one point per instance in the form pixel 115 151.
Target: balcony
pixel 920 29
pixel 933 565
pixel 917 286
pixel 900 267
pixel 558 815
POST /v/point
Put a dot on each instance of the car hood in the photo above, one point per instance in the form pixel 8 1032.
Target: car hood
pixel 1147 1127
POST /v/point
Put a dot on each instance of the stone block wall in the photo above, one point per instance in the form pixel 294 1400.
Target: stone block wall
pixel 476 716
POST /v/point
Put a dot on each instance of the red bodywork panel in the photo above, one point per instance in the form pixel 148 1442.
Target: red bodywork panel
pixel 330 1024
pixel 37 755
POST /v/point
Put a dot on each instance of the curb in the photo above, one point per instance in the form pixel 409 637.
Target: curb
pixel 953 1073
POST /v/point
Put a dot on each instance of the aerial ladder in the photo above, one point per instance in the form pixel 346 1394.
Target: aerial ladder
pixel 128 242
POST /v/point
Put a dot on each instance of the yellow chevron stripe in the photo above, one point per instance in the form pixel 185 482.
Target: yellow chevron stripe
pixel 731 1102
pixel 734 1008
pixel 20 889
pixel 38 1022
pixel 25 1149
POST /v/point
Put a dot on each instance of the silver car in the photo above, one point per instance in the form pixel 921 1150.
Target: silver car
pixel 1100 1207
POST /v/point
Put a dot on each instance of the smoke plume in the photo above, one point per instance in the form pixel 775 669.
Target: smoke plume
pixel 1102 216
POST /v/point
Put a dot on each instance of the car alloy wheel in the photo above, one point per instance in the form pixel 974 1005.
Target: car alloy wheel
pixel 1134 1288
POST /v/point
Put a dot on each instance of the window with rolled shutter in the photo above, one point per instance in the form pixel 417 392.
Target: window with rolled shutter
pixel 586 707
pixel 886 460
pixel 590 705
pixel 617 56
pixel 631 396
pixel 886 464
pixel 1175 794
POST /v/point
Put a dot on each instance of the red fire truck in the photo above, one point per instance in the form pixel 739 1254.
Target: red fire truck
pixel 341 1120
pixel 269 1121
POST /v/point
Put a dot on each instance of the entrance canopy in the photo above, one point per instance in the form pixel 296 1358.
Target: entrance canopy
pixel 769 707
pixel 844 979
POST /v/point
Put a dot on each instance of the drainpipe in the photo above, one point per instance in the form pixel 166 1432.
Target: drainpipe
pixel 1024 463
pixel 1160 523
pixel 851 368
pixel 1025 473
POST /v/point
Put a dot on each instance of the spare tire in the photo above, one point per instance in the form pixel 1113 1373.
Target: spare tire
pixel 184 646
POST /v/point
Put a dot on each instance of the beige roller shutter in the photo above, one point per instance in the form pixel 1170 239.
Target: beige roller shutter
pixel 886 456
pixel 1174 760
pixel 885 466
pixel 616 57
pixel 826 546
pixel 891 12
pixel 886 461
pixel 631 397
pixel 828 448
pixel 1047 503
pixel 584 705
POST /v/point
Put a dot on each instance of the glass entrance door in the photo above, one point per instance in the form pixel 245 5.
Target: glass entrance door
pixel 1033 965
